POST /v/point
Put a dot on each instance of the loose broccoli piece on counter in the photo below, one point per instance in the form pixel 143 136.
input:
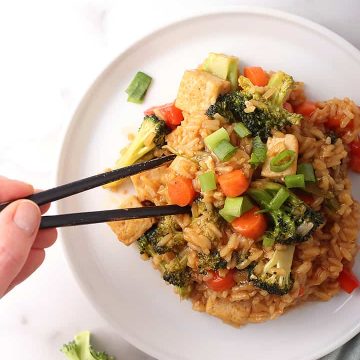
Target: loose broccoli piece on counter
pixel 276 275
pixel 259 114
pixel 162 237
pixel 294 222
pixel 211 261
pixel 151 134
pixel 81 349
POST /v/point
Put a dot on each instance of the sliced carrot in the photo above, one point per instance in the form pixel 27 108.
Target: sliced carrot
pixel 217 283
pixel 233 183
pixel 181 191
pixel 256 75
pixel 251 224
pixel 287 106
pixel 306 108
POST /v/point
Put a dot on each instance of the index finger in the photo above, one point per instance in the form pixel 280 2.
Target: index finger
pixel 13 189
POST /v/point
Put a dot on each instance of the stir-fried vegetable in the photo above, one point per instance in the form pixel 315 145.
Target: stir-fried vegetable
pixel 256 75
pixel 348 281
pixel 216 137
pixel 218 283
pixel 308 171
pixel 241 130
pixel 252 224
pixel 258 155
pixel 236 206
pixel 295 181
pixel 282 161
pixel 138 87
pixel 233 183
pixel 207 181
pixel 224 151
pixel 275 277
pixel 181 191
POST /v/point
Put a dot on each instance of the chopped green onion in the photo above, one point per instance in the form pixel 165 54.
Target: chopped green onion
pixel 237 206
pixel 282 161
pixel 279 199
pixel 138 87
pixel 224 150
pixel 241 130
pixel 308 171
pixel 207 181
pixel 258 154
pixel 260 196
pixel 213 139
pixel 295 181
pixel 228 218
pixel 268 241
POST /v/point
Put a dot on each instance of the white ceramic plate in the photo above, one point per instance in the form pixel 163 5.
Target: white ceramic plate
pixel 126 290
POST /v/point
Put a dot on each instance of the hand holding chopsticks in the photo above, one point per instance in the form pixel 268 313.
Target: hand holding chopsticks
pixel 79 186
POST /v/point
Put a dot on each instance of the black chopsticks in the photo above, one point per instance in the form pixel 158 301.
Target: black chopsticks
pixel 75 187
pixel 95 217
pixel 91 182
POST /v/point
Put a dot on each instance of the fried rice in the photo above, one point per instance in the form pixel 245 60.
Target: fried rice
pixel 317 262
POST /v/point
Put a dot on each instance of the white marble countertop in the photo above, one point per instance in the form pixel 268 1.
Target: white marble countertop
pixel 51 51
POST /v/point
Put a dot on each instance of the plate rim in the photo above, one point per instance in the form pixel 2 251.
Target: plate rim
pixel 64 138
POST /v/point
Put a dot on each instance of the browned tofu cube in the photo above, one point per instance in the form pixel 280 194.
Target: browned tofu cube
pixel 235 313
pixel 129 231
pixel 198 90
pixel 275 145
pixel 148 183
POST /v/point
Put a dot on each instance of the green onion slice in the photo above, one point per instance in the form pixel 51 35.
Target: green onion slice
pixel 224 150
pixel 308 171
pixel 279 199
pixel 213 139
pixel 295 181
pixel 138 87
pixel 241 130
pixel 237 206
pixel 282 161
pixel 258 154
pixel 207 181
pixel 227 217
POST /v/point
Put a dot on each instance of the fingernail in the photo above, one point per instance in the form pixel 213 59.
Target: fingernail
pixel 27 217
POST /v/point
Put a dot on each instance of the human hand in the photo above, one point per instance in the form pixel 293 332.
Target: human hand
pixel 22 244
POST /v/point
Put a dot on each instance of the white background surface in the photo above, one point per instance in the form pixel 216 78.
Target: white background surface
pixel 50 53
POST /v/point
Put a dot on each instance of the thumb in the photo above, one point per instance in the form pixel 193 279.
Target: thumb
pixel 19 224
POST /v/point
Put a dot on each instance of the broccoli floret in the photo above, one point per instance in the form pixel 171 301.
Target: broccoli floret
pixel 211 261
pixel 153 240
pixel 144 245
pixel 293 223
pixel 283 84
pixel 70 351
pixel 206 218
pixel 268 113
pixel 150 135
pixel 81 349
pixel 177 273
pixel 276 275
